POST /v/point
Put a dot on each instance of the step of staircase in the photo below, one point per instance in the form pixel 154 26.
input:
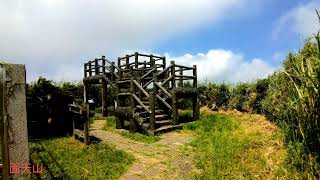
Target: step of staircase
pixel 167 128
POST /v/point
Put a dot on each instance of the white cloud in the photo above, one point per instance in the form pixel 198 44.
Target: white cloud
pixel 223 65
pixel 48 35
pixel 301 20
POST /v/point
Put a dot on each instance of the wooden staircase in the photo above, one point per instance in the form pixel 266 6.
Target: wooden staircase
pixel 145 90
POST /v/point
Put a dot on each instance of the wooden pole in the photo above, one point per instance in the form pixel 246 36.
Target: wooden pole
pixel 3 125
pixel 152 109
pixel 104 93
pixel 133 125
pixel 136 59
pixel 173 74
pixel 151 61
pixel 127 61
pixel 174 108
pixel 180 78
pixel 86 110
pixel 85 70
pixel 90 70
pixel 195 100
pixel 96 68
pixel 103 65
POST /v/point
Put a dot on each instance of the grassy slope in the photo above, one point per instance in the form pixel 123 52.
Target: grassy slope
pixel 68 158
pixel 237 146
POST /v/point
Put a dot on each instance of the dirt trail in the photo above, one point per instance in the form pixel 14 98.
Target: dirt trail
pixel 161 160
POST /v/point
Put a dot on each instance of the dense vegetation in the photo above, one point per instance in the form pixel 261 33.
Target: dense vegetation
pixel 289 97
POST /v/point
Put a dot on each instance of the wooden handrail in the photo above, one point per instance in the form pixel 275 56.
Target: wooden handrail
pixel 166 69
pixel 164 102
pixel 163 89
pixel 147 84
pixel 141 88
pixel 149 72
pixel 189 77
pixel 141 103
pixel 184 67
pixel 166 81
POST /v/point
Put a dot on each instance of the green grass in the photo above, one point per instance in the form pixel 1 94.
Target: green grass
pixel 237 147
pixel 66 158
pixel 111 125
pixel 141 137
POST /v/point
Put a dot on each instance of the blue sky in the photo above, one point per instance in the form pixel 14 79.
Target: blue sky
pixel 230 40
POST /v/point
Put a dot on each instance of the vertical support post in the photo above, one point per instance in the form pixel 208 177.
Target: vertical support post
pixel 136 58
pixel 104 94
pixel 96 66
pixel 195 100
pixel 173 74
pixel 119 120
pixel 174 108
pixel 3 125
pixel 90 68
pixel 112 68
pixel 86 113
pixel 164 62
pixel 127 61
pixel 119 62
pixel 15 118
pixel 133 125
pixel 152 111
pixel 103 65
pixel 151 61
pixel 195 79
pixel 180 78
pixel 85 70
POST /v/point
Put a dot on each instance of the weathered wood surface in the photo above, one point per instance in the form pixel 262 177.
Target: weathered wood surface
pixel 17 117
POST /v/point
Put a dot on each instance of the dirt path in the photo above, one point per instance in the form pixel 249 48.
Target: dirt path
pixel 161 160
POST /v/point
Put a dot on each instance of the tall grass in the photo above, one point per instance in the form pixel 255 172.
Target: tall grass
pixel 293 101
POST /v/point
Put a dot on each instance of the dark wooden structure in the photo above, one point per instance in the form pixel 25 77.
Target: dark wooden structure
pixel 146 90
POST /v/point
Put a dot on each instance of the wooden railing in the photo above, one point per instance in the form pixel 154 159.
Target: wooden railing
pixel 101 66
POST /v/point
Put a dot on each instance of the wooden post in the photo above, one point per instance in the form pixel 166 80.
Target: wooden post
pixel 96 66
pixel 3 125
pixel 195 100
pixel 90 70
pixel 119 120
pixel 151 61
pixel 112 68
pixel 152 109
pixel 173 74
pixel 85 70
pixel 133 125
pixel 103 65
pixel 195 75
pixel 174 108
pixel 86 113
pixel 104 94
pixel 180 79
pixel 136 59
pixel 119 62
pixel 127 61
pixel 164 62
pixel 15 133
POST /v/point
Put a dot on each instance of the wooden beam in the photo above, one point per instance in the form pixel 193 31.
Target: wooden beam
pixel 152 101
